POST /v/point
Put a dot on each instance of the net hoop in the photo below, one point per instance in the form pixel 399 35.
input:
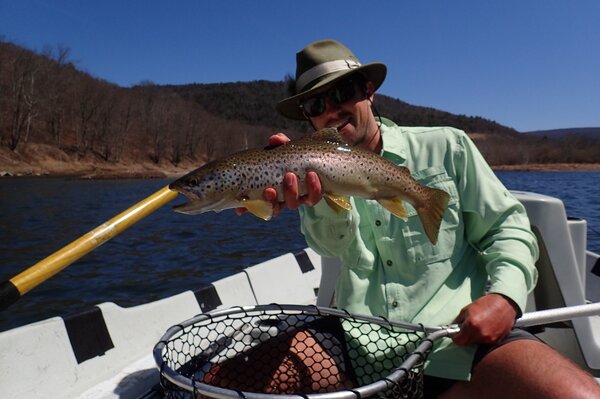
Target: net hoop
pixel 194 386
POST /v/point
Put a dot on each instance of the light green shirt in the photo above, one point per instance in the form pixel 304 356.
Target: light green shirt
pixel 391 269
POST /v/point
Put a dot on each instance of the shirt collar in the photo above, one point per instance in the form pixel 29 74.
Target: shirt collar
pixel 394 144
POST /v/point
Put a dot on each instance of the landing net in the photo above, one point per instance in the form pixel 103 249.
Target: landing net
pixel 266 351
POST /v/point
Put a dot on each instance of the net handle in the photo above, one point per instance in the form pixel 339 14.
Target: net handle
pixel 549 316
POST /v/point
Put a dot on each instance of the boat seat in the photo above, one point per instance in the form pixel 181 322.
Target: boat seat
pixel 562 268
pixel 330 269
pixel 547 293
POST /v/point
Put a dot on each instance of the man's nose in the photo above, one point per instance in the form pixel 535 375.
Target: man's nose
pixel 331 106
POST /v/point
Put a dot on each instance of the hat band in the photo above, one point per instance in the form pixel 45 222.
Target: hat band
pixel 324 69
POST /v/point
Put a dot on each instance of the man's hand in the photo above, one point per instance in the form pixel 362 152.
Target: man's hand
pixel 486 321
pixel 291 192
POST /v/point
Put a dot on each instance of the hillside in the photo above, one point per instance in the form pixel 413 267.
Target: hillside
pixel 58 120
pixel 254 103
pixel 592 133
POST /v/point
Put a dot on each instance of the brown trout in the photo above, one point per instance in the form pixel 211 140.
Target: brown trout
pixel 238 180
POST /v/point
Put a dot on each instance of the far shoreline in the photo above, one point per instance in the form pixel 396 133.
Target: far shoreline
pixel 550 167
pixel 121 171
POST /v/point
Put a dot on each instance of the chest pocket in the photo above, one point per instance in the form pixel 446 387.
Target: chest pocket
pixel 419 249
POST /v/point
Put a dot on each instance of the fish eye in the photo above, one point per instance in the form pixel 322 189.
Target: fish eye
pixel 193 181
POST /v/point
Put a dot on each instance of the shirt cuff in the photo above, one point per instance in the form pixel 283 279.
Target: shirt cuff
pixel 509 281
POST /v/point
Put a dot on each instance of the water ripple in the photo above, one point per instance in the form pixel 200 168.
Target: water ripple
pixel 166 252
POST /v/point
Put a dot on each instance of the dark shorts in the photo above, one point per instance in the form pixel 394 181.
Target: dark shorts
pixel 435 386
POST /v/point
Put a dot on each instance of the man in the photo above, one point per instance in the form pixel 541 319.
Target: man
pixel 478 274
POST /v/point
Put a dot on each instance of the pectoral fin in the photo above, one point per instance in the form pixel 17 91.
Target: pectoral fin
pixel 394 205
pixel 259 208
pixel 338 202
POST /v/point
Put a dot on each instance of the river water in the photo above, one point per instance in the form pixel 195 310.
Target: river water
pixel 167 253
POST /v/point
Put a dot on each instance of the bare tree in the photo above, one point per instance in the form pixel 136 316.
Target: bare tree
pixel 124 123
pixel 22 71
pixel 104 121
pixel 87 102
pixel 202 126
pixel 179 124
pixel 56 91
pixel 155 110
pixel 4 99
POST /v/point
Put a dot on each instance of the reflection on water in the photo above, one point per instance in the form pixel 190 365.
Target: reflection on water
pixel 163 254
pixel 167 253
pixel 579 192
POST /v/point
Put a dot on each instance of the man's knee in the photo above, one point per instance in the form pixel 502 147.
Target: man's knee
pixel 525 369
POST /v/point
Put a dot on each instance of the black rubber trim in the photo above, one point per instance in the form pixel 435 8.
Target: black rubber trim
pixel 304 261
pixel 596 268
pixel 208 298
pixel 88 334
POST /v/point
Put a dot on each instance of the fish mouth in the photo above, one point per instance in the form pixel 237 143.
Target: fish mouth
pixel 190 208
pixel 194 205
pixel 178 186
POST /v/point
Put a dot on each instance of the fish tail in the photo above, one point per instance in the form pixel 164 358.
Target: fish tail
pixel 431 209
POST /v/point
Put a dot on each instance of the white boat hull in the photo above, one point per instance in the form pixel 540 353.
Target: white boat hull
pixel 107 352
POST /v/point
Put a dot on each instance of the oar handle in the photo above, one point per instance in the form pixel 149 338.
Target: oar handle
pixel 13 289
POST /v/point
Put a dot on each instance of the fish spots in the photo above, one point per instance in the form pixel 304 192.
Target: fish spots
pixel 347 168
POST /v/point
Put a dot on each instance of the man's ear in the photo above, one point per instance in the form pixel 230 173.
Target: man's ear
pixel 369 89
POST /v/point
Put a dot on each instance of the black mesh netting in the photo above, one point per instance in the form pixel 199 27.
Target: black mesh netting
pixel 282 351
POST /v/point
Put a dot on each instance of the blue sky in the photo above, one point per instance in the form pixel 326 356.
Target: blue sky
pixel 525 64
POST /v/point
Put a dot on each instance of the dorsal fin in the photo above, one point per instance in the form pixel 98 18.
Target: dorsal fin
pixel 328 134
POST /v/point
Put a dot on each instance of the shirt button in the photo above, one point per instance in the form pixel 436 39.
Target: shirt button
pixel 389 262
pixel 395 304
pixel 378 223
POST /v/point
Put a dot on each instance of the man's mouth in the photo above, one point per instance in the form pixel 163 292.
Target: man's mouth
pixel 340 125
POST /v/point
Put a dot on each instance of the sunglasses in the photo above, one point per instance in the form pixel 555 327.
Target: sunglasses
pixel 340 94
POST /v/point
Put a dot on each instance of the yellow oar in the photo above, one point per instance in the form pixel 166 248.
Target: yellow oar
pixel 13 289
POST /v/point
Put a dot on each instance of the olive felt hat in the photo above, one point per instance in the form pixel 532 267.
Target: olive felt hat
pixel 318 66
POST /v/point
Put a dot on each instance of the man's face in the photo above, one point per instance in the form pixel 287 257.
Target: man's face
pixel 353 118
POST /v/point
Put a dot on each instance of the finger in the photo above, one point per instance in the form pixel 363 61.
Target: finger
pixel 277 208
pixel 313 184
pixel 464 337
pixel 290 190
pixel 462 315
pixel 278 139
pixel 270 194
pixel 461 339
